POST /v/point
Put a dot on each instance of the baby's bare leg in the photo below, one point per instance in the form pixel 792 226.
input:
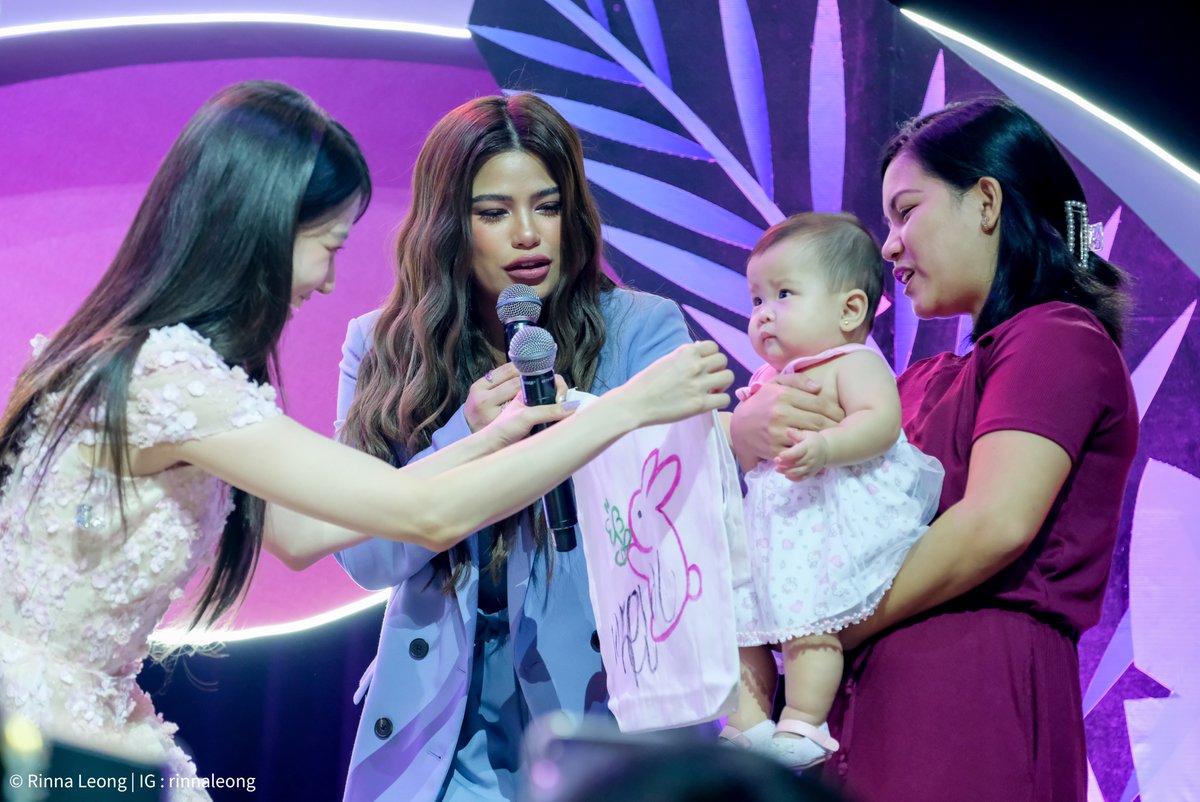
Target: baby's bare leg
pixel 756 692
pixel 812 670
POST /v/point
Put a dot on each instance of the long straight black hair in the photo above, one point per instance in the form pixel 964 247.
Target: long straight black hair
pixel 210 247
pixel 991 136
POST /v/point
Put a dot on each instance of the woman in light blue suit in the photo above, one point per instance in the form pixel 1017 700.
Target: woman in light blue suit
pixel 479 640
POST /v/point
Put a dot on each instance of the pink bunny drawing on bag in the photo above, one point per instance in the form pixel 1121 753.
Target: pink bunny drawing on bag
pixel 655 549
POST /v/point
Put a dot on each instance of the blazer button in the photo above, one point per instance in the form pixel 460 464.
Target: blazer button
pixel 418 649
pixel 383 728
pixel 595 641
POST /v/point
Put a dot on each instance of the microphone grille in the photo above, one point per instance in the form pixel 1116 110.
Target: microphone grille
pixel 518 302
pixel 532 351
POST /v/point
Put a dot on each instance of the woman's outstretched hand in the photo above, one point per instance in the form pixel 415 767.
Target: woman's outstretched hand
pixel 689 380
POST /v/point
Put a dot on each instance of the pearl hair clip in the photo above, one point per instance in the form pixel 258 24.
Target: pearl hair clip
pixel 1082 237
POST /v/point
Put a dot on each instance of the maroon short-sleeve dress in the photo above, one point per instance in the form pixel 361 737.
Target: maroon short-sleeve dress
pixel 979 699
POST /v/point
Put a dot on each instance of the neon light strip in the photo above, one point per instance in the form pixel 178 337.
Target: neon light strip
pixel 1057 88
pixel 233 17
pixel 176 636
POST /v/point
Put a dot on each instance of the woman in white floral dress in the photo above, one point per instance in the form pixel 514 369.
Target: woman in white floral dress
pixel 142 440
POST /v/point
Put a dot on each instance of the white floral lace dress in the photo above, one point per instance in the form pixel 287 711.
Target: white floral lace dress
pixel 825 549
pixel 80 595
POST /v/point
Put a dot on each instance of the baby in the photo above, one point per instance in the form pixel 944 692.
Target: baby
pixel 826 540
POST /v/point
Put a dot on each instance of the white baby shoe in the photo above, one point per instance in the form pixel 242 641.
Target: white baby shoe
pixel 812 747
pixel 754 738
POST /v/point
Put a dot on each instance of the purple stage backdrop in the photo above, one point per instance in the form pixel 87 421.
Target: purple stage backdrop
pixel 703 124
pixel 79 150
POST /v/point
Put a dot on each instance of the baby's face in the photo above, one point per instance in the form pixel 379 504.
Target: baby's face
pixel 795 313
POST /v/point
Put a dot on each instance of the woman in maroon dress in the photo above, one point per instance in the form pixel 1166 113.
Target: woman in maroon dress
pixel 964 685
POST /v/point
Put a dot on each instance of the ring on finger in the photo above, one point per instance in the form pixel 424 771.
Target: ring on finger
pixel 488 376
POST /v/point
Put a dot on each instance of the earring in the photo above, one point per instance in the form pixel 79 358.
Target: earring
pixel 986 224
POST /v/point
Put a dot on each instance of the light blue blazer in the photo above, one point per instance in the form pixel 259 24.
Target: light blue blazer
pixel 416 688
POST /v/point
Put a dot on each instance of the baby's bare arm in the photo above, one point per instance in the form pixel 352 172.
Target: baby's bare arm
pixel 867 392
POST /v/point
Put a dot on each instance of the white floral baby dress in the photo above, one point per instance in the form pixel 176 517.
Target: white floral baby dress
pixel 825 549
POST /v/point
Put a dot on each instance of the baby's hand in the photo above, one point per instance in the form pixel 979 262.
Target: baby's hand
pixel 805 457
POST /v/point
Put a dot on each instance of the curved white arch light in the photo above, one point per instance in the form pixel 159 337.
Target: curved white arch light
pixel 142 20
pixel 178 636
pixel 1058 89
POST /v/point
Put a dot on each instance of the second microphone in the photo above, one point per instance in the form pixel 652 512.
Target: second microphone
pixel 532 352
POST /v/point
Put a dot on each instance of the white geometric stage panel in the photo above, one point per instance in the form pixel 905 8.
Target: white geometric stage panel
pixel 1164 602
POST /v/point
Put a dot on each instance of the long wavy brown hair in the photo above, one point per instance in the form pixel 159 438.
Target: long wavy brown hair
pixel 427 345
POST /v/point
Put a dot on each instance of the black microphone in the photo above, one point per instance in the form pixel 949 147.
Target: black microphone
pixel 532 351
pixel 518 306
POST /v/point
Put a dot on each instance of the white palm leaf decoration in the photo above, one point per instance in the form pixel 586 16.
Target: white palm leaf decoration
pixel 720 284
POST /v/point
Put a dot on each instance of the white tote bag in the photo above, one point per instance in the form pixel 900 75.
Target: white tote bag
pixel 660 513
